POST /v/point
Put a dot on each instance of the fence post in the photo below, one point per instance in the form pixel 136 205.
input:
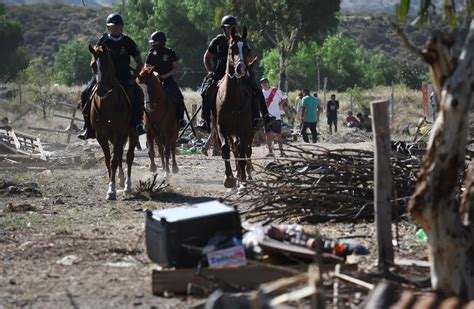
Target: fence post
pixel 382 183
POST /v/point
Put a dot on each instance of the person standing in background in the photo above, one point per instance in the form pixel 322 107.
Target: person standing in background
pixel 310 107
pixel 331 112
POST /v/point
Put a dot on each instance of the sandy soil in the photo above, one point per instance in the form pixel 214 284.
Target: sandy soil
pixel 70 248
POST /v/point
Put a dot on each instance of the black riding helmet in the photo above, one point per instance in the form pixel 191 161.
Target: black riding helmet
pixel 228 21
pixel 114 19
pixel 158 37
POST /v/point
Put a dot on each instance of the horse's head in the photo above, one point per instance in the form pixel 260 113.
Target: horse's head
pixel 102 65
pixel 151 86
pixel 239 51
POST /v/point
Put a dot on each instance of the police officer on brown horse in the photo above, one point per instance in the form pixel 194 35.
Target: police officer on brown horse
pixel 166 63
pixel 215 59
pixel 121 48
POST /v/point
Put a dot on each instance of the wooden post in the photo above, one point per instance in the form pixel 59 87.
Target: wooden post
pixel 324 90
pixel 193 111
pixel 382 183
pixel 352 104
pixel 318 86
pixel 392 104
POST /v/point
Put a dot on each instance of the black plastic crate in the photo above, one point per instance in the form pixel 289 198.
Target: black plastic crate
pixel 167 230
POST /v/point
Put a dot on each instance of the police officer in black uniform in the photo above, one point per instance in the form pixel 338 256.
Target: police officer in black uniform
pixel 215 60
pixel 166 64
pixel 121 48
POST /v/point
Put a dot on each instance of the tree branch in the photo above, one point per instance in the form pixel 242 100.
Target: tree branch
pixel 405 41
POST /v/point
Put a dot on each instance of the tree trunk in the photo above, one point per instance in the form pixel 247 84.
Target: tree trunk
pixel 436 204
pixel 283 66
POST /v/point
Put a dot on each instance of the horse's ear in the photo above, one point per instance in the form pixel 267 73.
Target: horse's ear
pixel 91 49
pixel 244 33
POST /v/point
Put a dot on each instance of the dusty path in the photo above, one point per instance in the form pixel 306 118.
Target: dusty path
pixel 70 223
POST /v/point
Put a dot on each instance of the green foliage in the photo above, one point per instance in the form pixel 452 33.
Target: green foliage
pixel 283 23
pixel 71 64
pixel 412 75
pixel 184 33
pixel 40 76
pixel 342 61
pixel 14 57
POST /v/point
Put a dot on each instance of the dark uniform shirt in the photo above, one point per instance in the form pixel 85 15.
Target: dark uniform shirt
pixel 219 48
pixel 120 51
pixel 162 59
pixel 332 108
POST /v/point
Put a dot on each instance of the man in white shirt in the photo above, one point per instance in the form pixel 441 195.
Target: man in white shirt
pixel 274 99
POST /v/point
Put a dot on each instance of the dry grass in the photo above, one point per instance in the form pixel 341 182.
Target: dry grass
pixel 407 110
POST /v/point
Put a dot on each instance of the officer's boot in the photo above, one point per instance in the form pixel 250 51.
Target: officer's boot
pixel 87 132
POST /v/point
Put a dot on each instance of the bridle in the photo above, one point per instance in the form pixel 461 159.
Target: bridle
pixel 240 45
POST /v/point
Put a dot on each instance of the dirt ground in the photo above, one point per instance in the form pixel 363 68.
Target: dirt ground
pixel 69 248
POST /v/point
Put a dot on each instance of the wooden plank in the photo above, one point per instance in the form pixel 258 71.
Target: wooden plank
pixel 382 183
pixel 249 277
pixel 68 117
pixel 354 281
pixel 298 251
pixel 67 105
pixel 48 130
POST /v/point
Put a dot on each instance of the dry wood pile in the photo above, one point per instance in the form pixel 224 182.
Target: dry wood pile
pixel 315 184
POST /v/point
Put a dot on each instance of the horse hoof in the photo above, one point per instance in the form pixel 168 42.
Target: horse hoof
pixel 175 170
pixel 242 188
pixel 230 182
pixel 153 168
pixel 127 191
pixel 111 196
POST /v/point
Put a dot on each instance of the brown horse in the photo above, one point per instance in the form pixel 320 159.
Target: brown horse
pixel 233 110
pixel 110 118
pixel 160 120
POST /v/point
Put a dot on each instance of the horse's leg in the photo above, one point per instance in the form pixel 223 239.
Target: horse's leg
pixel 132 142
pixel 175 169
pixel 249 167
pixel 117 153
pixel 167 160
pixel 121 176
pixel 229 181
pixel 151 152
pixel 104 144
pixel 241 154
pixel 161 152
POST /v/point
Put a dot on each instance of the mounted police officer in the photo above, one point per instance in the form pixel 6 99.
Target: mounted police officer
pixel 215 60
pixel 166 64
pixel 121 48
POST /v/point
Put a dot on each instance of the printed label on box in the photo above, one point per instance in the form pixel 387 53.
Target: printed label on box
pixel 230 257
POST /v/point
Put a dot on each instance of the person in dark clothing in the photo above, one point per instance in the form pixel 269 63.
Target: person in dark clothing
pixel 165 63
pixel 121 48
pixel 215 60
pixel 331 112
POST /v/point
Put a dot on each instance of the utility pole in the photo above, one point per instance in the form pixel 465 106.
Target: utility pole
pixel 318 73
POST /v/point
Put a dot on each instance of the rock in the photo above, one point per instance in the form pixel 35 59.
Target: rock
pixel 46 173
pixel 58 202
pixel 68 260
pixel 19 208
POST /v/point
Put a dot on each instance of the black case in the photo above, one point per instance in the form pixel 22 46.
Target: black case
pixel 166 230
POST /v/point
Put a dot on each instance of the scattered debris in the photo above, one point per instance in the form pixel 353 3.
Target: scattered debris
pixel 151 187
pixel 27 189
pixel 315 184
pixel 24 207
pixel 68 260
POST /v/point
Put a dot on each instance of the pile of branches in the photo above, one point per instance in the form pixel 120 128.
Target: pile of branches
pixel 315 184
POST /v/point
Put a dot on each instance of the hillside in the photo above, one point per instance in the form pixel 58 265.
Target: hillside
pixel 47 27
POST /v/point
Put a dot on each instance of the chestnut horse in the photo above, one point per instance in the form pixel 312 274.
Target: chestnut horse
pixel 160 120
pixel 234 112
pixel 110 118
